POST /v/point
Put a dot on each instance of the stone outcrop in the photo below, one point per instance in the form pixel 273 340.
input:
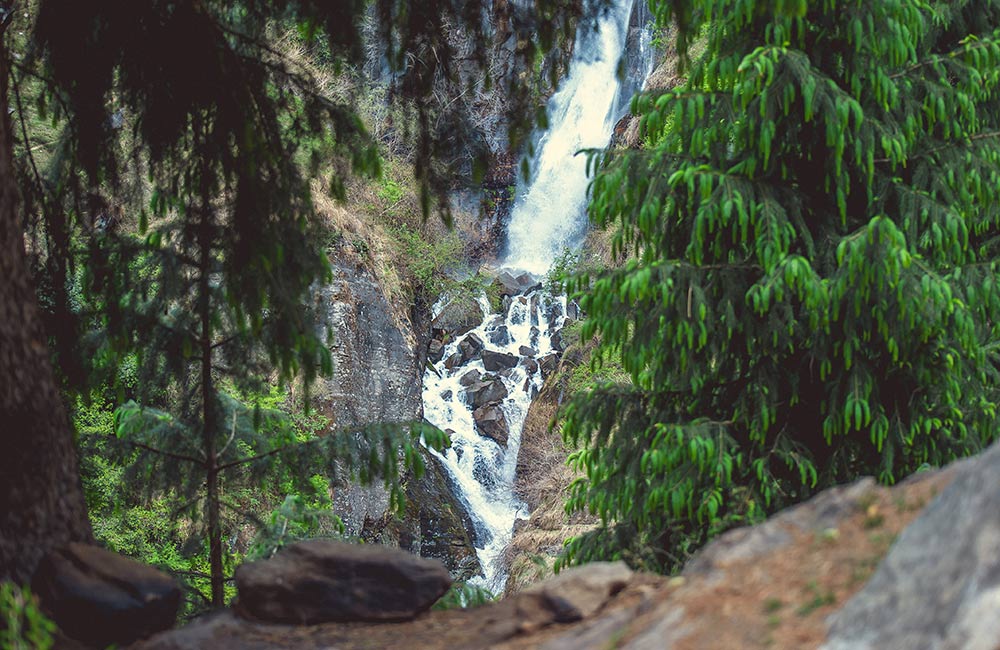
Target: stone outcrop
pixel 377 377
pixel 496 361
pixel 102 598
pixel 939 586
pixel 320 581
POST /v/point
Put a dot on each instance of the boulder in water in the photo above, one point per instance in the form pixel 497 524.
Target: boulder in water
pixel 102 598
pixel 500 336
pixel 453 361
pixel 511 285
pixel 435 351
pixel 494 361
pixel 470 347
pixel 321 581
pixel 557 342
pixel 470 377
pixel 530 365
pixel 458 317
pixel 525 351
pixel 482 393
pixel 490 422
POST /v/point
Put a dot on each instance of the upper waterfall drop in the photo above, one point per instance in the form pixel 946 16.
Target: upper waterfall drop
pixel 549 215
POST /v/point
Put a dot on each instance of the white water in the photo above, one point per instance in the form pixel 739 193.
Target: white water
pixel 548 217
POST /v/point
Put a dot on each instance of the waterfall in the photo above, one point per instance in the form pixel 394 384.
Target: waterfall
pixel 482 383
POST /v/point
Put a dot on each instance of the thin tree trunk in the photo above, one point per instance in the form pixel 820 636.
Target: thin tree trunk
pixel 41 499
pixel 208 402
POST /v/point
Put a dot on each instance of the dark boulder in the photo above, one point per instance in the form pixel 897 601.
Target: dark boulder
pixel 494 361
pixel 453 361
pixel 513 285
pixel 470 377
pixel 470 347
pixel 500 336
pixel 557 342
pixel 490 422
pixel 530 365
pixel 435 351
pixel 548 364
pixel 458 317
pixel 482 393
pixel 525 351
pixel 101 598
pixel 321 581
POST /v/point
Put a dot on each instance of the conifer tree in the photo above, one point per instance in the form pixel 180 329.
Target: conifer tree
pixel 811 290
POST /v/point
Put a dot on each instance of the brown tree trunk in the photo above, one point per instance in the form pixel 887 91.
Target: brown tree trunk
pixel 41 499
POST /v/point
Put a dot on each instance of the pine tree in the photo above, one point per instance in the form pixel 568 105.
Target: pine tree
pixel 811 292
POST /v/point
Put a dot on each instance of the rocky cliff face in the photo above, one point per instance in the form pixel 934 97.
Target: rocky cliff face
pixel 377 378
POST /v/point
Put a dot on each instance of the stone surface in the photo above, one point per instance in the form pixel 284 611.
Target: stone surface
pixel 490 422
pixel 488 391
pixel 458 317
pixel 495 361
pixel 939 586
pixel 500 336
pixel 470 347
pixel 548 364
pixel 470 377
pixel 103 598
pixel 581 591
pixel 320 581
pixel 525 351
pixel 435 351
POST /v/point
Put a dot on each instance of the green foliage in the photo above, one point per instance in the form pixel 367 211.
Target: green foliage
pixel 428 261
pixel 23 626
pixel 464 595
pixel 294 520
pixel 812 289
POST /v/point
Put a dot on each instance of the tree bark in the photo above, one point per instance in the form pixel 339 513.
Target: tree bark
pixel 41 498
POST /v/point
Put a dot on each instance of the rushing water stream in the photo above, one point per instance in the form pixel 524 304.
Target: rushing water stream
pixel 481 388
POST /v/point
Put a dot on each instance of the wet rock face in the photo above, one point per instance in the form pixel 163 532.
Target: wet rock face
pixel 377 377
pixel 496 361
pixel 102 598
pixel 489 391
pixel 321 581
pixel 491 422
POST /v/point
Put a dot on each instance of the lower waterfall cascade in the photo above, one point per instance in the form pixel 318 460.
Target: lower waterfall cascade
pixel 481 383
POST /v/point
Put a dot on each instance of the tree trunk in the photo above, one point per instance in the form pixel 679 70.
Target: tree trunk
pixel 41 499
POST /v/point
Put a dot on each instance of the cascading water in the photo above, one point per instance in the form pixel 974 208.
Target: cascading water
pixel 482 386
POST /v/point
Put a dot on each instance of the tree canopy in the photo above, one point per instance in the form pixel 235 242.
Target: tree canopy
pixel 811 293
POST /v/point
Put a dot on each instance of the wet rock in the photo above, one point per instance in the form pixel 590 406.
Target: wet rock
pixel 533 309
pixel 482 393
pixel 533 335
pixel 102 598
pixel 530 365
pixel 321 581
pixel 470 347
pixel 437 524
pixel 447 395
pixel 529 388
pixel 514 285
pixel 525 351
pixel 453 361
pixel 435 351
pixel 553 313
pixel 573 310
pixel 506 373
pixel 500 336
pixel 557 342
pixel 458 317
pixel 490 422
pixel 494 361
pixel 548 364
pixel 470 377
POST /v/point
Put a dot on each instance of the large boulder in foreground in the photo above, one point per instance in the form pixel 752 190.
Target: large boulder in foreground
pixel 939 586
pixel 102 598
pixel 322 581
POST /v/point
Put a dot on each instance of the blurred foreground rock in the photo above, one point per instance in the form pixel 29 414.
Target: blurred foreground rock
pixel 101 598
pixel 320 581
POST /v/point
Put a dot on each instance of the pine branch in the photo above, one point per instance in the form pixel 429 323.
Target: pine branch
pixel 948 145
pixel 168 454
